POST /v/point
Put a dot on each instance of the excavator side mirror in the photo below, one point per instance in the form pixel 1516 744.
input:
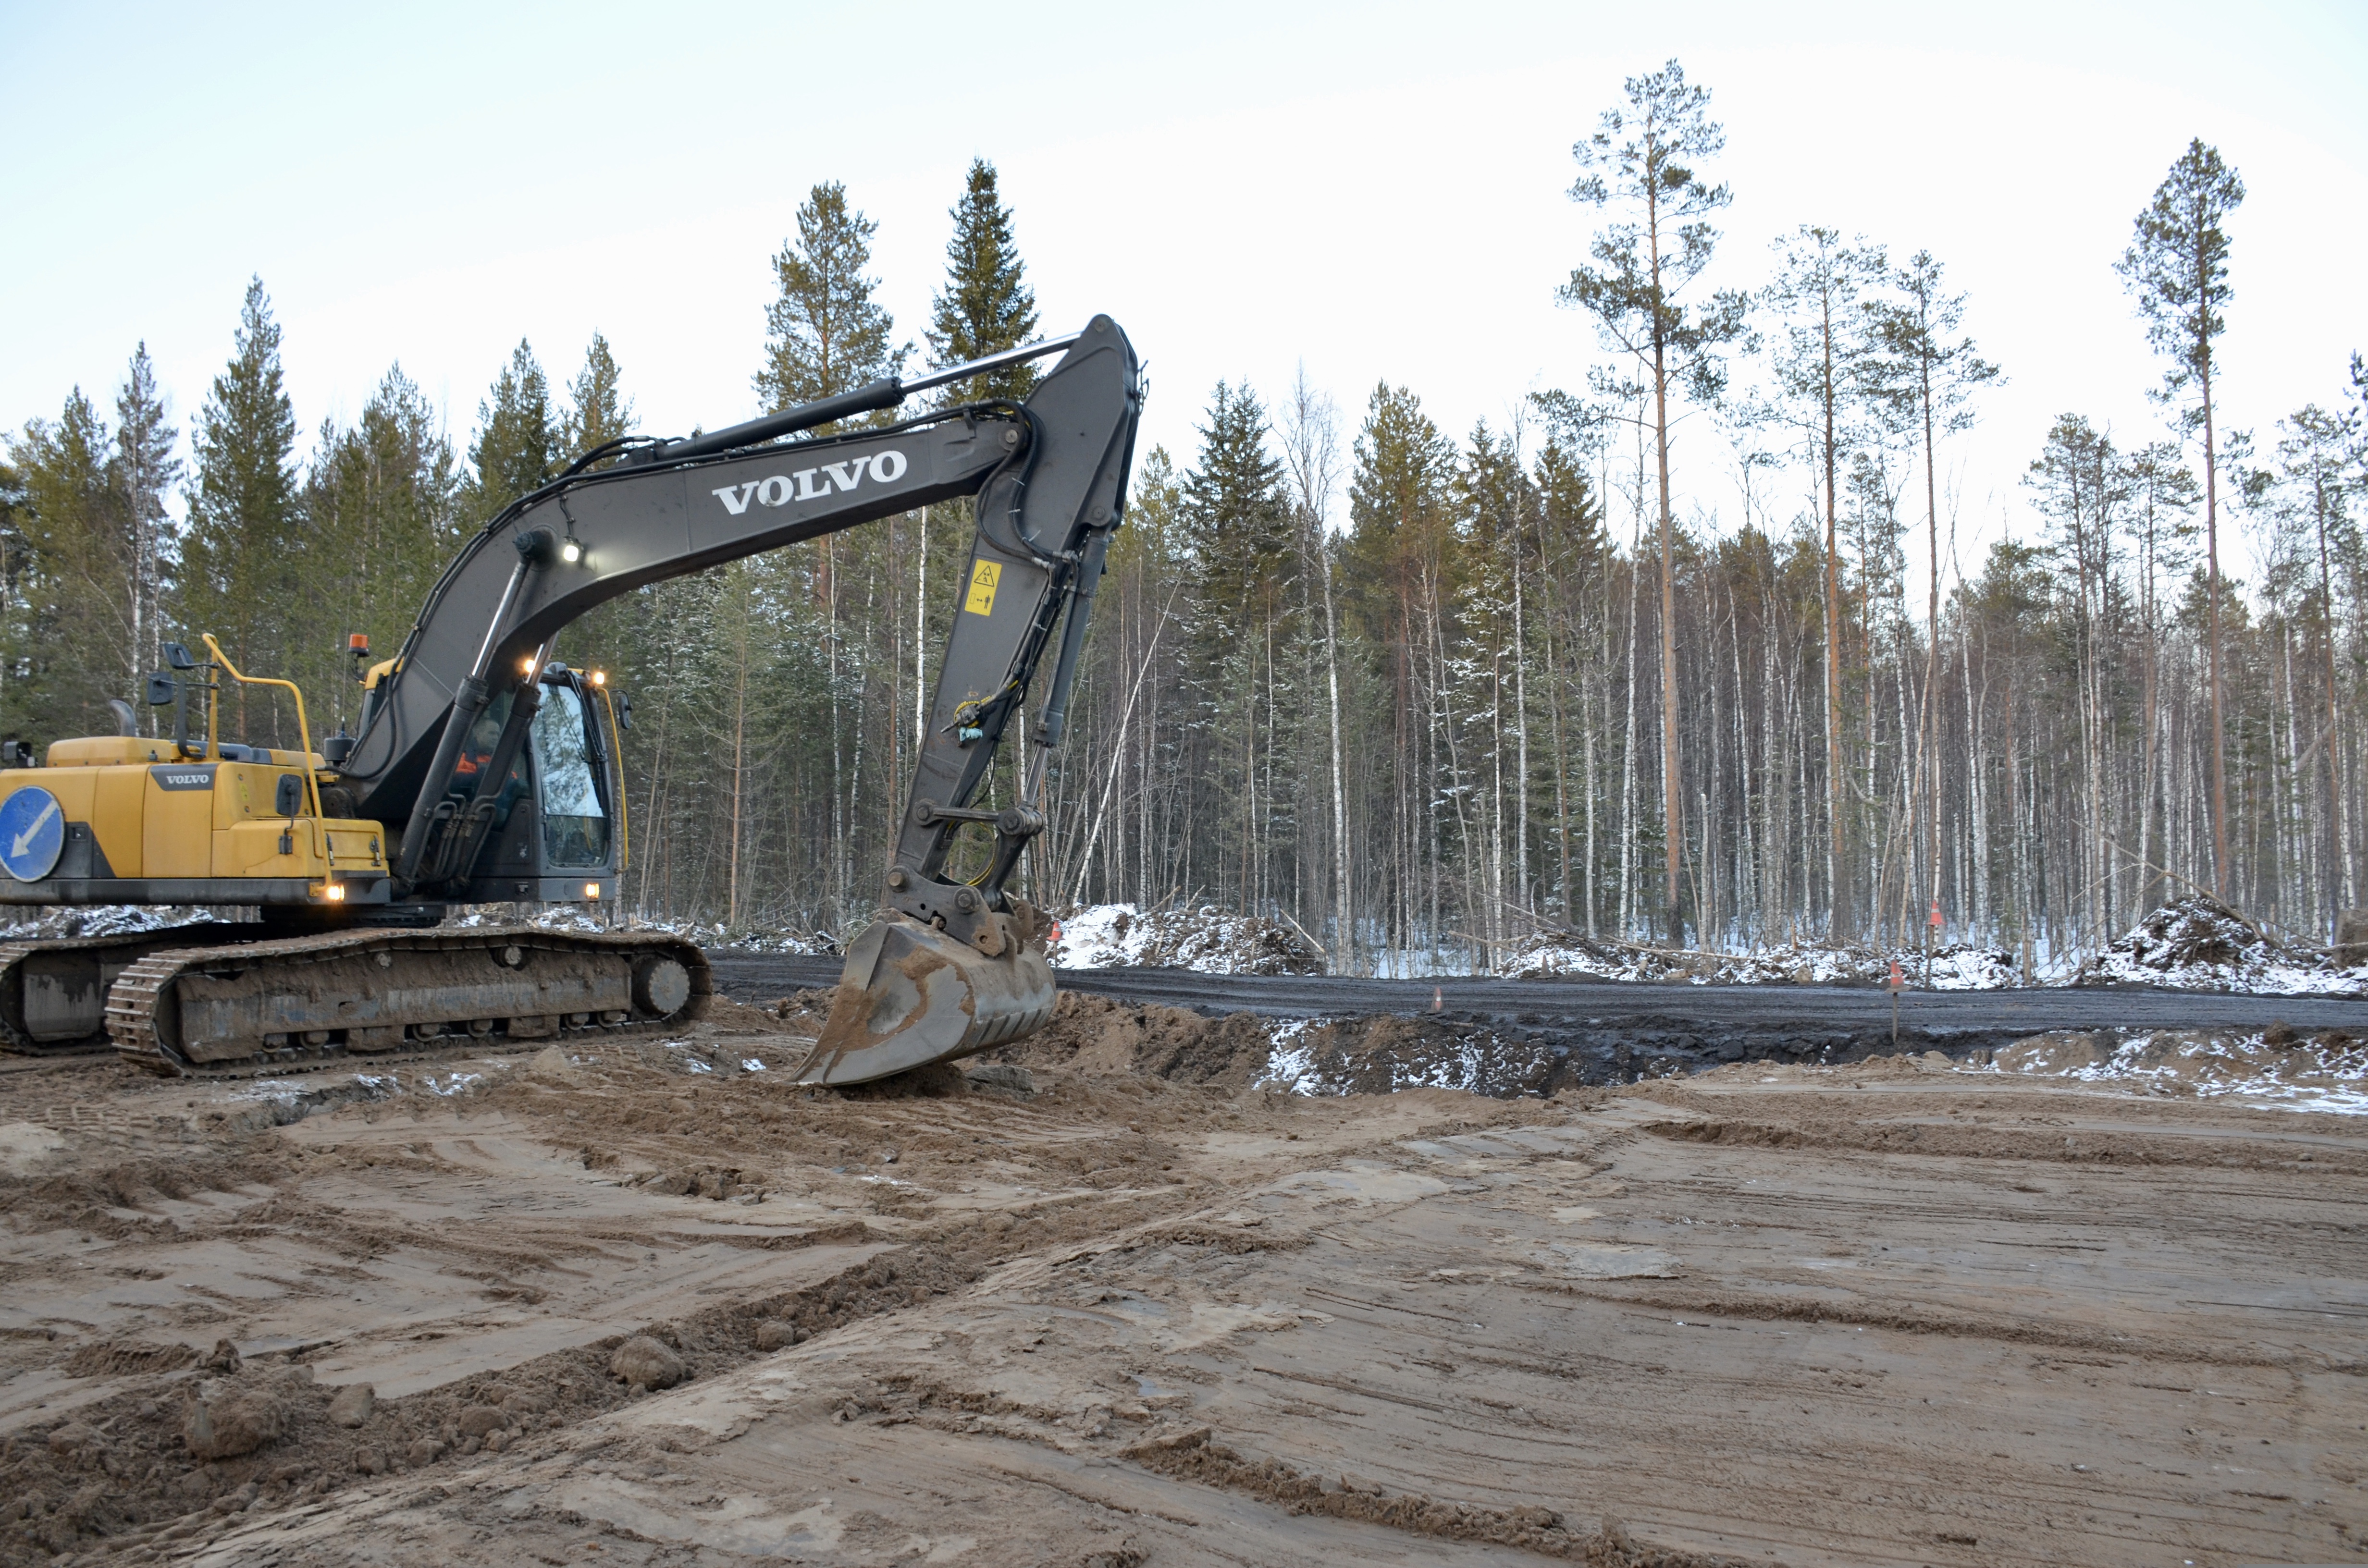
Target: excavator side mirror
pixel 624 712
pixel 160 690
pixel 178 657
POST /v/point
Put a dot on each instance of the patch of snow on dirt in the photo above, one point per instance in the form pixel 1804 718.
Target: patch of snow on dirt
pixel 706 934
pixel 113 919
pixel 2194 944
pixel 1213 941
pixel 2324 1072
pixel 1568 955
pixel 1383 1053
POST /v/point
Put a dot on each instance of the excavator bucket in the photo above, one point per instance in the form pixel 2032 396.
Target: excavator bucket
pixel 910 996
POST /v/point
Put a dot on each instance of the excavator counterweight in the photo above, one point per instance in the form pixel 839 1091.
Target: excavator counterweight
pixel 481 772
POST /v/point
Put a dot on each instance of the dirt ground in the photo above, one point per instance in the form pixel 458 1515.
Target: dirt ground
pixel 1110 1303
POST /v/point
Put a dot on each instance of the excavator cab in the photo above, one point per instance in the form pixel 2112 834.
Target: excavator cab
pixel 550 836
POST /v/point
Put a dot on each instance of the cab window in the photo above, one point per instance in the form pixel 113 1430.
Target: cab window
pixel 575 824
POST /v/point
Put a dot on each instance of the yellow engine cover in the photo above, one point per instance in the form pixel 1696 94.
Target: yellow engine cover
pixel 156 816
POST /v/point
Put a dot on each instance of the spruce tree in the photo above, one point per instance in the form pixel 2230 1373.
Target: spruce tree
pixel 1239 524
pixel 597 410
pixel 145 468
pixel 986 305
pixel 2178 267
pixel 517 438
pixel 239 575
pixel 380 502
pixel 73 619
pixel 824 334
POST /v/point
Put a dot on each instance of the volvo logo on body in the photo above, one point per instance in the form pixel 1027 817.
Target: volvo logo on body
pixel 815 483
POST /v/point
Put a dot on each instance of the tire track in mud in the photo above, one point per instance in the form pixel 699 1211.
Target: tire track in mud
pixel 120 1469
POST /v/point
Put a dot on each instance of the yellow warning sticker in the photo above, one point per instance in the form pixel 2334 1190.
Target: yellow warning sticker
pixel 981 588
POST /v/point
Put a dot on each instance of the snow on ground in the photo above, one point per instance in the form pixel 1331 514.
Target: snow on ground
pixel 108 919
pixel 2191 944
pixel 1213 941
pixel 1557 954
pixel 2327 1072
pixel 2194 944
pixel 584 918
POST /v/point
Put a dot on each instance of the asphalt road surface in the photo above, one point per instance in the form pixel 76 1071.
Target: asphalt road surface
pixel 1949 1020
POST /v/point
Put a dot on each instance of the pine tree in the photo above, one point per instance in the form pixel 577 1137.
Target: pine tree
pixel 239 563
pixel 145 468
pixel 2178 267
pixel 986 305
pixel 597 410
pixel 1398 570
pixel 517 438
pixel 825 334
pixel 1646 158
pixel 1820 358
pixel 1927 381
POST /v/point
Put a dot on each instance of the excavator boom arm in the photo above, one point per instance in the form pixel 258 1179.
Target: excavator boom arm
pixel 1049 475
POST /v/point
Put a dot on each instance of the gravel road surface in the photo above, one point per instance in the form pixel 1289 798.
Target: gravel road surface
pixel 1948 1020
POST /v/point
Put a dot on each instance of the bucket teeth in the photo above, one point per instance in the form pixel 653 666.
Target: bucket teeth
pixel 911 995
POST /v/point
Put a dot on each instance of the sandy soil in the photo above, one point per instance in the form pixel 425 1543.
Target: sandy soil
pixel 1111 1304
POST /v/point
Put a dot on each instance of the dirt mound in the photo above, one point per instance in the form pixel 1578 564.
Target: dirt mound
pixel 1210 940
pixel 1382 1055
pixel 2196 944
pixel 2324 1072
pixel 1096 1035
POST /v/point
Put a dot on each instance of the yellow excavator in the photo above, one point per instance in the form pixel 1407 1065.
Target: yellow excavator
pixel 480 771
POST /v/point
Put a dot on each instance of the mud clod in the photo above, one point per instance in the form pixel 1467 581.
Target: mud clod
pixel 645 1364
pixel 353 1404
pixel 228 1427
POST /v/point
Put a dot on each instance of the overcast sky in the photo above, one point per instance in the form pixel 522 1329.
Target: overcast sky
pixel 1376 191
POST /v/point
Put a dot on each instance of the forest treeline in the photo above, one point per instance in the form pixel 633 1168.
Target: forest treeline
pixel 1424 693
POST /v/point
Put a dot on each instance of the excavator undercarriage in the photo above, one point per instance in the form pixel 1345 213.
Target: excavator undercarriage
pixel 483 772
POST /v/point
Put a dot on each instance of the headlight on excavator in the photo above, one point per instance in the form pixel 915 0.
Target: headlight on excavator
pixel 592 891
pixel 333 892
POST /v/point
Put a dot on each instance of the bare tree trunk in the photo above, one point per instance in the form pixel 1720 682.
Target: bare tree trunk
pixel 2211 551
pixel 1672 785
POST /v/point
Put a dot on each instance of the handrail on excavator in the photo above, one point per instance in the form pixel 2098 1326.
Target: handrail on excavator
pixel 303 738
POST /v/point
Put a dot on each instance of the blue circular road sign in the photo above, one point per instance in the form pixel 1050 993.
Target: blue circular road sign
pixel 32 833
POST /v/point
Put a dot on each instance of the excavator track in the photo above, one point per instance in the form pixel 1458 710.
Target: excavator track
pixel 372 997
pixel 53 992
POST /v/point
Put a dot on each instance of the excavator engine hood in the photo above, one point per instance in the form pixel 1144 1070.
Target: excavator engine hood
pixel 911 994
